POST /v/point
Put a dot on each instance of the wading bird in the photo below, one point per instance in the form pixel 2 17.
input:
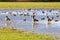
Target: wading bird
pixel 7 23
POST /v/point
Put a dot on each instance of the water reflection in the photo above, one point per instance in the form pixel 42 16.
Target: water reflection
pixel 48 24
pixel 34 24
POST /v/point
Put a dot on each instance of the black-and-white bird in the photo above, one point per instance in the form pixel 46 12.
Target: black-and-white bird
pixel 49 19
pixel 7 19
pixel 7 23
pixel 35 20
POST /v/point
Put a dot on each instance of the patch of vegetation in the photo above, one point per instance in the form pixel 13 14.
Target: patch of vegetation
pixel 29 5
pixel 13 34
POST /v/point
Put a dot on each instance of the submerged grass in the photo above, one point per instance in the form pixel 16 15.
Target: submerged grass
pixel 13 34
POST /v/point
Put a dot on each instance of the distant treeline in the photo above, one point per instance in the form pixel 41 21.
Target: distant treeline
pixel 30 0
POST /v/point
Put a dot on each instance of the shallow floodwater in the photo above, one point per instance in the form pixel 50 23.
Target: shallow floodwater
pixel 40 27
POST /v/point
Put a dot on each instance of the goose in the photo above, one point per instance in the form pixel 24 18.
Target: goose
pixel 50 10
pixel 56 20
pixel 42 18
pixel 7 19
pixel 25 14
pixel 43 12
pixel 21 14
pixel 57 16
pixel 47 16
pixel 14 14
pixel 49 19
pixel 7 24
pixel 52 18
pixel 35 20
pixel 25 19
pixel 28 14
pixel 29 9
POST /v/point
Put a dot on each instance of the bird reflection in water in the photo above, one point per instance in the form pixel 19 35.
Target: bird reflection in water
pixel 34 24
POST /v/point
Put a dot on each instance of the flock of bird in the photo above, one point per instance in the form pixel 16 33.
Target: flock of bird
pixel 33 16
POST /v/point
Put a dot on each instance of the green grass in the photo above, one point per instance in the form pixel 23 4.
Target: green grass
pixel 29 4
pixel 13 34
